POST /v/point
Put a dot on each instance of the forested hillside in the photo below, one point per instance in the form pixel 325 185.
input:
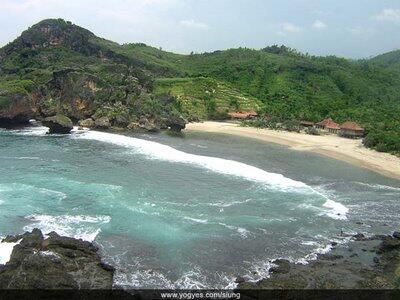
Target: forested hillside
pixel 56 66
pixel 294 86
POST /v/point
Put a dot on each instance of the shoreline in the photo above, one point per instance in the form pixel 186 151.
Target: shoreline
pixel 347 150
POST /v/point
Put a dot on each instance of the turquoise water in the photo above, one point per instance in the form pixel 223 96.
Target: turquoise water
pixel 187 212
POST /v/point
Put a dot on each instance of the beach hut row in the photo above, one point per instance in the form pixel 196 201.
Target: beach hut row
pixel 347 129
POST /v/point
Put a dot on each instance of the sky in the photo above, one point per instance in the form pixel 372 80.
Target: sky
pixel 347 28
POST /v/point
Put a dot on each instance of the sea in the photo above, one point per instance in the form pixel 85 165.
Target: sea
pixel 195 210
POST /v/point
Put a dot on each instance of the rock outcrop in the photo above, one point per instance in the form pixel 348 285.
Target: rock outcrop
pixel 102 123
pixel 365 263
pixel 55 262
pixel 88 123
pixel 148 125
pixel 120 121
pixel 58 124
pixel 14 110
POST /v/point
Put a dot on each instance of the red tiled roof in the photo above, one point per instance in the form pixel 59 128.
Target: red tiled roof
pixel 252 113
pixel 329 123
pixel 351 126
pixel 242 115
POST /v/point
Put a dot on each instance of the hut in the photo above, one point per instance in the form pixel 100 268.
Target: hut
pixel 351 130
pixel 239 115
pixel 307 124
pixel 328 125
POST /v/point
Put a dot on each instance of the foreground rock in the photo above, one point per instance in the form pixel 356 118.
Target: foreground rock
pixel 365 263
pixel 58 124
pixel 54 263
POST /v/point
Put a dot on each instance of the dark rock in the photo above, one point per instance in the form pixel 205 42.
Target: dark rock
pixel 376 260
pixel 58 124
pixel 330 256
pixel 240 279
pixel 359 237
pixel 334 243
pixel 283 266
pixel 88 123
pixel 176 123
pixel 102 123
pixel 396 234
pixel 389 244
pixel 120 121
pixel 54 263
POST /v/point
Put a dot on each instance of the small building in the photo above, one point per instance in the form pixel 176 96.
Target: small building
pixel 252 114
pixel 239 115
pixel 307 124
pixel 351 130
pixel 328 125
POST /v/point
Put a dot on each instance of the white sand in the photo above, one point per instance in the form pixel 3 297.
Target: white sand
pixel 348 150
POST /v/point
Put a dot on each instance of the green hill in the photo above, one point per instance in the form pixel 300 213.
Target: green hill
pixel 390 60
pixel 58 67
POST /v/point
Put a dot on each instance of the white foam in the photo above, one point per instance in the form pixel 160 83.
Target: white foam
pixel 32 131
pixel 80 227
pixel 201 221
pixel 337 210
pixel 380 186
pixel 21 157
pixel 49 254
pixel 6 251
pixel 159 151
pixel 243 232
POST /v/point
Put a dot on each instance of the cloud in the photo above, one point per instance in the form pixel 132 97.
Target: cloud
pixel 193 24
pixel 362 31
pixel 356 30
pixel 289 28
pixel 389 15
pixel 319 25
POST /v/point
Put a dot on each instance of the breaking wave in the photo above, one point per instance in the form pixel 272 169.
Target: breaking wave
pixel 159 151
pixel 5 251
pixel 154 150
pixel 80 227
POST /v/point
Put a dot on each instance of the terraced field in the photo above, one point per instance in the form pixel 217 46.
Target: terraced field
pixel 205 98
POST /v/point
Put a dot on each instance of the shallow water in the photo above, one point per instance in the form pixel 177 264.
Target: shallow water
pixel 187 212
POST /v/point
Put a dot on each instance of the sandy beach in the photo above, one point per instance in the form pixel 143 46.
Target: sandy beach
pixel 350 151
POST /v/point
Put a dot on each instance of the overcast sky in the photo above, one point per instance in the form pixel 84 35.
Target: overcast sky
pixel 349 28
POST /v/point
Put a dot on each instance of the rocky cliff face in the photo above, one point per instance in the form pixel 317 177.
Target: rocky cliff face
pixel 54 262
pixel 16 110
pixel 57 68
